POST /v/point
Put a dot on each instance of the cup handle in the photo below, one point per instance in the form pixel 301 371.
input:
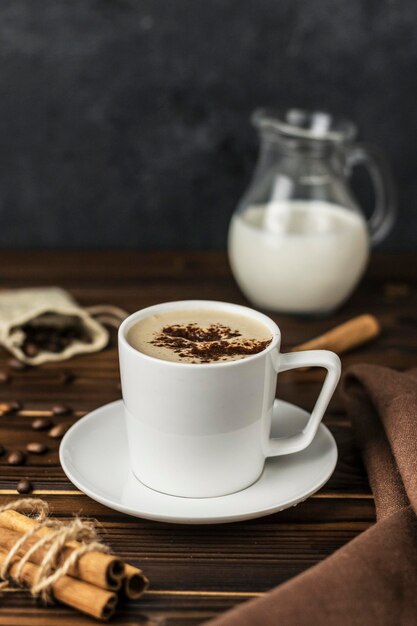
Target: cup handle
pixel 308 358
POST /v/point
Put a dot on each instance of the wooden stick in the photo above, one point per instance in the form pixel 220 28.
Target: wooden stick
pixel 134 582
pixel 79 595
pixel 100 569
pixel 342 338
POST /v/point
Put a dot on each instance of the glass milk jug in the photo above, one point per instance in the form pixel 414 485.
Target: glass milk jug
pixel 298 241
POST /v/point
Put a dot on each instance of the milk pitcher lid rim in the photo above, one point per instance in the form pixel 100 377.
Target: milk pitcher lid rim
pixel 304 124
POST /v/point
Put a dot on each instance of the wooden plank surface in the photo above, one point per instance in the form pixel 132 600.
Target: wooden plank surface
pixel 195 572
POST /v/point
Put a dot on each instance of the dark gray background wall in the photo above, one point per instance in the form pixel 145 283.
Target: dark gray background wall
pixel 125 122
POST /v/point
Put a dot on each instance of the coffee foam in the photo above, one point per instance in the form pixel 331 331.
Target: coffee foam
pixel 199 336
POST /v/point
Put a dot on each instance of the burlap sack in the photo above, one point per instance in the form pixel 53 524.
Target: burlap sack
pixel 52 306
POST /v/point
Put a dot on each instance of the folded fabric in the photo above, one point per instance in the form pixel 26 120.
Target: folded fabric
pixel 372 580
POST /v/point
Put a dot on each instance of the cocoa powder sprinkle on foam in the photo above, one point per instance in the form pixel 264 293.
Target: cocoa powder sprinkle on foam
pixel 205 345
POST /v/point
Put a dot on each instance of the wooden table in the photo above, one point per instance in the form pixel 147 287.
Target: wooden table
pixel 195 572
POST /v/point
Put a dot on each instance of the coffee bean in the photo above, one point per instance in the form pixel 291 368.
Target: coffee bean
pixel 6 408
pixel 58 431
pixel 2 450
pixel 35 447
pixel 61 409
pixel 4 377
pixel 84 336
pixel 24 486
pixel 16 458
pixel 41 423
pixel 54 346
pixel 67 377
pixel 31 349
pixel 17 365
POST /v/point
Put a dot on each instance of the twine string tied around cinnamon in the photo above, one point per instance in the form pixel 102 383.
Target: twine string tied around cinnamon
pixel 51 569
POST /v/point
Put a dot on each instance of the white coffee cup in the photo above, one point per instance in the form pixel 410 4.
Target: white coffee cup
pixel 203 430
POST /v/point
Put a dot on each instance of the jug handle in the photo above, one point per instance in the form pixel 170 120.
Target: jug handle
pixel 385 210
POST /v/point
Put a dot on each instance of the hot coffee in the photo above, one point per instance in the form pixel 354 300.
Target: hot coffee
pixel 199 336
pixel 202 431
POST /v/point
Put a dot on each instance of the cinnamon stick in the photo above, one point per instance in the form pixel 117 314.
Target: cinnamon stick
pixel 134 582
pixel 342 338
pixel 80 595
pixel 100 569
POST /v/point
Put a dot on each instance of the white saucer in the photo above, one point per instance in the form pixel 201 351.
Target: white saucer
pixel 94 456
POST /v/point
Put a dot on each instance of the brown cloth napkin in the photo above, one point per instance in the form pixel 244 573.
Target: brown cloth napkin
pixel 373 579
